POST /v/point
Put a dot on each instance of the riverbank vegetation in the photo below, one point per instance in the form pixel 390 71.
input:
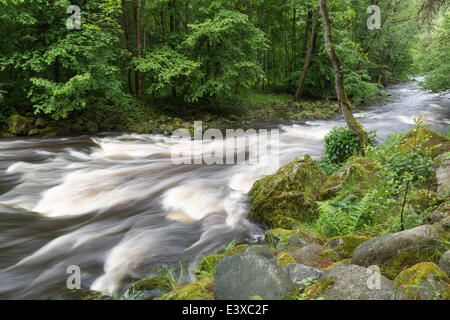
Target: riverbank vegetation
pixel 136 62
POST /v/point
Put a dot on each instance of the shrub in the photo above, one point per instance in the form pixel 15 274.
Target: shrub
pixel 341 144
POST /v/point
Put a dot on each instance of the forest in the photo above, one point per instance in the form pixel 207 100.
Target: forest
pixel 154 55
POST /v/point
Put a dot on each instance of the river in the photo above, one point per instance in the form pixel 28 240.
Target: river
pixel 117 206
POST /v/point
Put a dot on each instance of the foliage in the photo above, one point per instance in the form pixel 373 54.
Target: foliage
pixel 433 61
pixel 340 144
pixel 342 217
pixel 404 167
pixel 201 52
pixel 226 46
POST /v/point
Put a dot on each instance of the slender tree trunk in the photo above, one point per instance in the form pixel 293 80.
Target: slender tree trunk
pixel 172 29
pixel 343 101
pixel 301 82
pixel 127 43
pixel 309 17
pixel 294 38
pixel 138 49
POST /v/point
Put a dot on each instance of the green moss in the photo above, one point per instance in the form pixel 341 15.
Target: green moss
pixel 327 258
pixel 95 295
pixel 274 236
pixel 18 125
pixel 432 139
pixel 345 261
pixel 318 289
pixel 238 249
pixel 201 290
pixel 208 264
pixel 405 260
pixel 160 282
pixel 34 132
pixel 284 258
pixel 289 195
pixel 416 275
pixel 358 174
pixel 345 245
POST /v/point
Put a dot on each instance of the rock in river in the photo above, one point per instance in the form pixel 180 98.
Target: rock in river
pixel 242 276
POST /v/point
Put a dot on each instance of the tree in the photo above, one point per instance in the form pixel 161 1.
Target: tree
pixel 301 82
pixel 343 101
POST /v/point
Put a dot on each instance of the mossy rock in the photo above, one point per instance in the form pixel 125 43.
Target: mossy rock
pixel 95 295
pixel 274 236
pixel 406 260
pixel 318 289
pixel 289 195
pixel 359 174
pixel 345 261
pixel 162 283
pixel 201 290
pixel 41 123
pixel 395 252
pixel 34 132
pixel 427 275
pixel 327 258
pixel 208 264
pixel 238 249
pixel 284 258
pixel 432 139
pixel 345 245
pixel 19 125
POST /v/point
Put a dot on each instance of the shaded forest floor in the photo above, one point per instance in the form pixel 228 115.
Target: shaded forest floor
pixel 249 111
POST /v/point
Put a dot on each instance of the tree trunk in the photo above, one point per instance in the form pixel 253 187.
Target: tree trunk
pixel 172 30
pixel 343 101
pixel 138 49
pixel 127 43
pixel 301 82
pixel 294 36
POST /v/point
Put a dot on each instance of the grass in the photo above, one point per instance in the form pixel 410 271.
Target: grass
pixel 253 100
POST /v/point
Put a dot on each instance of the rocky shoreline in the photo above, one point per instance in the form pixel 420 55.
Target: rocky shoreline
pixel 145 121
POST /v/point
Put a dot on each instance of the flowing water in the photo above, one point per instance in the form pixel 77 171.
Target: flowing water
pixel 117 206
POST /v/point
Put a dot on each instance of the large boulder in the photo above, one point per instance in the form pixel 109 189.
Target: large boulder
pixel 444 262
pixel 443 177
pixel 289 195
pixel 428 138
pixel 261 251
pixel 359 174
pixel 396 251
pixel 308 255
pixel 299 272
pixel 19 125
pixel 423 281
pixel 242 276
pixel 345 245
pixel 351 282
pixel 379 250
